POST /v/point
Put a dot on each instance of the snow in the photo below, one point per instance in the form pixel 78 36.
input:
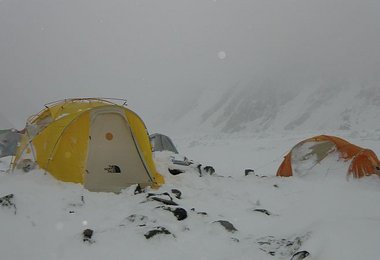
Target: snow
pixel 222 55
pixel 278 104
pixel 334 217
pixel 235 84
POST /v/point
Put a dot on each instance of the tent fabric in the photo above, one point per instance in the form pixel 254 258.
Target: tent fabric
pixel 162 142
pixel 364 162
pixel 9 139
pixel 68 137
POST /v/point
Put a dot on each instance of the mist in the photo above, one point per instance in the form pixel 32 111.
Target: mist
pixel 162 56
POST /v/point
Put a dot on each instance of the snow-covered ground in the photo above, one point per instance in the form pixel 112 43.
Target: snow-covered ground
pixel 323 212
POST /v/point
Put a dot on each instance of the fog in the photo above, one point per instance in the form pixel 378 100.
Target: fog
pixel 162 55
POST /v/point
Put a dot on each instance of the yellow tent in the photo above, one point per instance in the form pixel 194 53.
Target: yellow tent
pixel 92 141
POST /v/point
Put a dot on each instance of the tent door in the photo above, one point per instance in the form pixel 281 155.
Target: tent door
pixel 113 161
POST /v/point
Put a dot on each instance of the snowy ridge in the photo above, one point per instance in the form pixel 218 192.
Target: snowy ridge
pixel 263 107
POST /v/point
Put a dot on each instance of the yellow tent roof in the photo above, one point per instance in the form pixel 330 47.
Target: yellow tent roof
pixel 68 120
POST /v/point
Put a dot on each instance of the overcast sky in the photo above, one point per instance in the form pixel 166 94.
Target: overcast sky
pixel 160 54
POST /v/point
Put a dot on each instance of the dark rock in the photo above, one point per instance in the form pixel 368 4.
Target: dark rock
pixel 248 172
pixel 199 169
pixel 177 193
pixel 300 255
pixel 179 213
pixel 205 170
pixel 266 212
pixel 87 235
pixel 8 202
pixel 138 189
pixel 156 231
pixel 164 201
pixel 175 171
pixel 227 225
pixel 150 194
pixel 209 169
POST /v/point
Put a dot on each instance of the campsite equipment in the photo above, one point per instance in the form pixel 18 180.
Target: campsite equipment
pixel 177 163
pixel 96 142
pixel 364 162
pixel 9 139
pixel 162 142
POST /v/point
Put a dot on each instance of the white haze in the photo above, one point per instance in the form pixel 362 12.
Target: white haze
pixel 163 55
pixel 247 67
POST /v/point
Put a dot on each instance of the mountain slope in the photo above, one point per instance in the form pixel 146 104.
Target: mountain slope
pixel 262 106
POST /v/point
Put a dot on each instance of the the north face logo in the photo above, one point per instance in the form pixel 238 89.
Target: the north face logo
pixel 113 169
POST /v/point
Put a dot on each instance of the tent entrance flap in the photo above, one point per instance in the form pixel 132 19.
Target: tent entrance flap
pixel 113 161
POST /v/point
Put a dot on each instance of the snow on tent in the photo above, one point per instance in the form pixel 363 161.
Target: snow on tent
pixel 9 139
pixel 162 142
pixel 92 141
pixel 312 151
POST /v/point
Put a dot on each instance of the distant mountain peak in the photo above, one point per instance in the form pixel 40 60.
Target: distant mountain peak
pixel 329 105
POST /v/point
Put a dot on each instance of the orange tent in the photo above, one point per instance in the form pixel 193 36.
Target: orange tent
pixel 364 162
